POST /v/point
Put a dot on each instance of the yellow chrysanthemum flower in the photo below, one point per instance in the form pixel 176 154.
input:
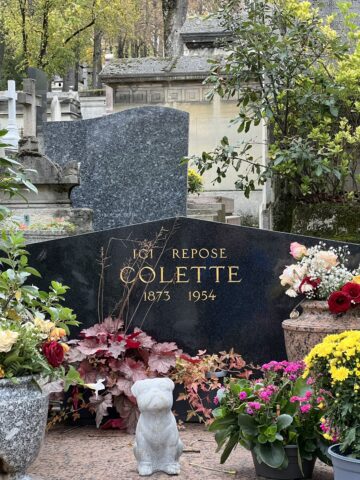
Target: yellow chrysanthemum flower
pixel 356 279
pixel 339 374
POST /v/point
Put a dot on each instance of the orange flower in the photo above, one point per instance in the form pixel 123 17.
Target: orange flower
pixel 57 333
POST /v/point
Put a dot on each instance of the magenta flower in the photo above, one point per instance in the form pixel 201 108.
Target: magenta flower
pixel 242 395
pixel 216 401
pixel 305 408
pixel 255 405
pixel 249 411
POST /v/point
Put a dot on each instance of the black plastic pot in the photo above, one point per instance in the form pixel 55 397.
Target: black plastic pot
pixel 291 472
pixel 345 468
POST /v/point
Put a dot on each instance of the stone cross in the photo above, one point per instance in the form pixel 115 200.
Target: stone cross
pixel 12 137
pixel 30 101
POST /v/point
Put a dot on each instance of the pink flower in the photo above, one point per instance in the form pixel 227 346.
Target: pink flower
pixel 242 395
pixel 310 381
pixel 255 405
pixel 308 394
pixel 305 408
pixel 295 399
pixel 216 401
pixel 249 411
pixel 297 250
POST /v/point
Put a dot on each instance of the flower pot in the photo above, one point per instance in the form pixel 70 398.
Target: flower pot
pixel 291 472
pixel 315 323
pixel 345 468
pixel 23 416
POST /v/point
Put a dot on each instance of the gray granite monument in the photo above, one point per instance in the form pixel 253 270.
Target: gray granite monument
pixel 130 170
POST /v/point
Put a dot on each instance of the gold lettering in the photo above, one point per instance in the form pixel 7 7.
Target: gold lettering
pixel 205 255
pixel 233 272
pixel 217 269
pixel 185 253
pixel 222 253
pixel 179 274
pixel 143 253
pixel 122 272
pixel 193 252
pixel 198 272
pixel 214 253
pixel 162 280
pixel 175 253
pixel 151 270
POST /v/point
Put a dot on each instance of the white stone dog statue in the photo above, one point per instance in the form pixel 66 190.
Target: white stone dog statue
pixel 157 445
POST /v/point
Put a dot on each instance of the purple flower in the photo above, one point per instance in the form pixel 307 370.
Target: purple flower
pixel 216 401
pixel 249 411
pixel 255 405
pixel 242 395
pixel 305 408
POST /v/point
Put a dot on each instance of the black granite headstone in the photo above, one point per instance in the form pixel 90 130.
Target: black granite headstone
pixel 227 291
pixel 41 88
pixel 130 170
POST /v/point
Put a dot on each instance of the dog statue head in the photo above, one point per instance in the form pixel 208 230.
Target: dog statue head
pixel 153 394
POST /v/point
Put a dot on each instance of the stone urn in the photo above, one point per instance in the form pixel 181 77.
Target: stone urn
pixel 315 323
pixel 23 416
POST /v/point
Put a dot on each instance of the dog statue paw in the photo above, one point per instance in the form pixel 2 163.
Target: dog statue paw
pixel 157 444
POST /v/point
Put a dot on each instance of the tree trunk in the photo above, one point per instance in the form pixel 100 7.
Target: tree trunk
pixel 69 80
pixel 174 14
pixel 97 54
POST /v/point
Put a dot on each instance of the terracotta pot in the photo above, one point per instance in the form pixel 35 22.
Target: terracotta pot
pixel 315 323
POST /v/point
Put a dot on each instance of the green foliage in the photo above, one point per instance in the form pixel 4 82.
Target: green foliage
pixel 287 68
pixel 30 313
pixel 13 179
pixel 266 415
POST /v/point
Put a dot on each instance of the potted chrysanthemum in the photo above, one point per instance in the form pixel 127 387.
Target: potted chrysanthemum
pixel 334 367
pixel 33 327
pixel 330 296
pixel 274 417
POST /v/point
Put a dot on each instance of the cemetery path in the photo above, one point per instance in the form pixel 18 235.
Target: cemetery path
pixel 85 453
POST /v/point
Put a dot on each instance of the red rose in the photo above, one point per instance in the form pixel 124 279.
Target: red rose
pixel 339 302
pixel 352 290
pixel 54 353
pixel 308 281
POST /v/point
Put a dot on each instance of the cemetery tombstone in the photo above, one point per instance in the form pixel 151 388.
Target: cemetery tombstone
pixel 30 102
pixel 205 285
pixel 130 163
pixel 41 89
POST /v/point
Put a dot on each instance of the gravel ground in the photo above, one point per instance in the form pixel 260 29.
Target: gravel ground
pixel 85 453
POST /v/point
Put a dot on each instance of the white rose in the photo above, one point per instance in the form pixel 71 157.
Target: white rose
pixel 7 340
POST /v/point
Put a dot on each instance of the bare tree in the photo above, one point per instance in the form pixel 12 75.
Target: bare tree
pixel 174 14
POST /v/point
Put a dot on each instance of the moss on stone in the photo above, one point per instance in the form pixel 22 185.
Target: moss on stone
pixel 328 220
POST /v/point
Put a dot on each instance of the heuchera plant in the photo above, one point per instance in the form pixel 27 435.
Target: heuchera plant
pixel 200 380
pixel 118 360
pixel 265 415
pixel 321 274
